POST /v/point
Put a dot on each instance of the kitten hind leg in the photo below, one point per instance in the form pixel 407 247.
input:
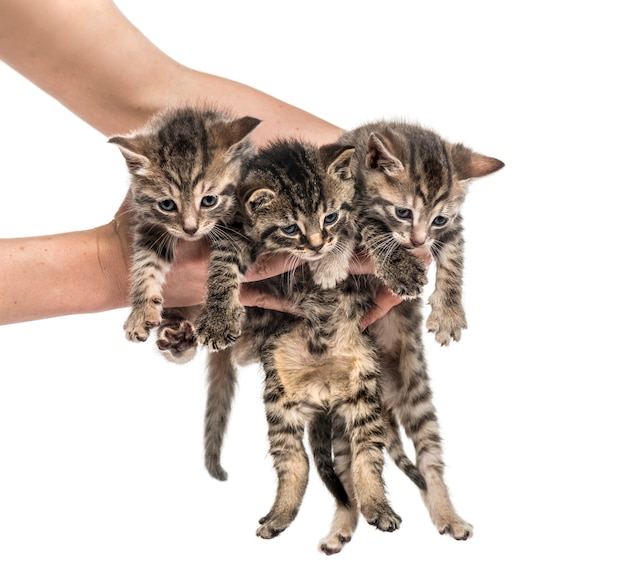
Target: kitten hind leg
pixel 346 515
pixel 409 397
pixel 292 467
pixel 423 428
pixel 365 427
pixel 286 434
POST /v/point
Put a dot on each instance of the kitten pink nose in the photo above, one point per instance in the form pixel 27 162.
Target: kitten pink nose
pixel 417 239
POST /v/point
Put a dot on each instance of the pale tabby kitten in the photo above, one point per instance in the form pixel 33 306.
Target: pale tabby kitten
pixel 184 164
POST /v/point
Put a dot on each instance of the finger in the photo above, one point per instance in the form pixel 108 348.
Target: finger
pixel 269 265
pixel 251 297
pixel 385 301
pixel 424 254
pixel 361 263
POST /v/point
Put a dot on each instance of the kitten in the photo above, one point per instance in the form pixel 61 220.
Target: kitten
pixel 411 185
pixel 298 199
pixel 184 165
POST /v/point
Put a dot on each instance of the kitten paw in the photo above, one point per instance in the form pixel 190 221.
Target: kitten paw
pixel 406 277
pixel 447 324
pixel 142 319
pixel 333 543
pixel 271 527
pixel 457 528
pixel 384 519
pixel 221 329
pixel 177 341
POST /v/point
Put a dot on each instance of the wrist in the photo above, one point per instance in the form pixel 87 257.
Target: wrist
pixel 114 263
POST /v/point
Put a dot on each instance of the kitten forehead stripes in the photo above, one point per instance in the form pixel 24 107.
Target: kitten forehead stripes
pixel 297 176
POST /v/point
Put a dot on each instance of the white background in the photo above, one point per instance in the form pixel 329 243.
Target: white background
pixel 101 468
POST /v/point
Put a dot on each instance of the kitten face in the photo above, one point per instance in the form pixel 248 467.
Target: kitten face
pixel 185 167
pixel 415 181
pixel 299 199
pixel 187 204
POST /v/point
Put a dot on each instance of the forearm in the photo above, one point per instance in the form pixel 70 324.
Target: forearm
pixel 73 273
pixel 89 57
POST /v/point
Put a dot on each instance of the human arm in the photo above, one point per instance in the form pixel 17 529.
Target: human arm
pixel 90 58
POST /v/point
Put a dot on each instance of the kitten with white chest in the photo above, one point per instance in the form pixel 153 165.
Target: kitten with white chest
pixel 184 164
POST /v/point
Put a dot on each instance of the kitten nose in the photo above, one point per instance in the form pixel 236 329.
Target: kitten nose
pixel 418 239
pixel 316 242
pixel 191 230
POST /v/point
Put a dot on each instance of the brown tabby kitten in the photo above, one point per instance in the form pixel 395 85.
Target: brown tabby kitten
pixel 411 184
pixel 184 165
pixel 298 199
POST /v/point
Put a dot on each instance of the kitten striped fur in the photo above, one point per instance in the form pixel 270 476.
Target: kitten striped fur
pixel 410 185
pixel 292 200
pixel 184 165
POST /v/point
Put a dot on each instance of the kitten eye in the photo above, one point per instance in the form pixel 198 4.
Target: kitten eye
pixel 291 229
pixel 208 201
pixel 331 218
pixel 404 213
pixel 440 221
pixel 167 205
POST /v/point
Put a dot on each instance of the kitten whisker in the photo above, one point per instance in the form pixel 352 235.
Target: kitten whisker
pixel 436 248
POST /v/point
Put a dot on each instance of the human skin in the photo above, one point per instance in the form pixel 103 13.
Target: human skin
pixel 84 55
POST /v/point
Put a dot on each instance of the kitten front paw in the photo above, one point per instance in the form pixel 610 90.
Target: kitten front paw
pixel 220 328
pixel 177 341
pixel 142 319
pixel 447 324
pixel 405 277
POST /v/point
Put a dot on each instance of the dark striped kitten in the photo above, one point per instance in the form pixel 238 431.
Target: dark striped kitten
pixel 411 184
pixel 184 165
pixel 299 199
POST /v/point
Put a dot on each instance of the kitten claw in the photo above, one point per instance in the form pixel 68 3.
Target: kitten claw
pixel 405 279
pixel 218 335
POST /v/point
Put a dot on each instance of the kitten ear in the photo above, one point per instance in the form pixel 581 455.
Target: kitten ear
pixel 259 199
pixel 469 164
pixel 379 157
pixel 234 134
pixel 131 150
pixel 336 159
